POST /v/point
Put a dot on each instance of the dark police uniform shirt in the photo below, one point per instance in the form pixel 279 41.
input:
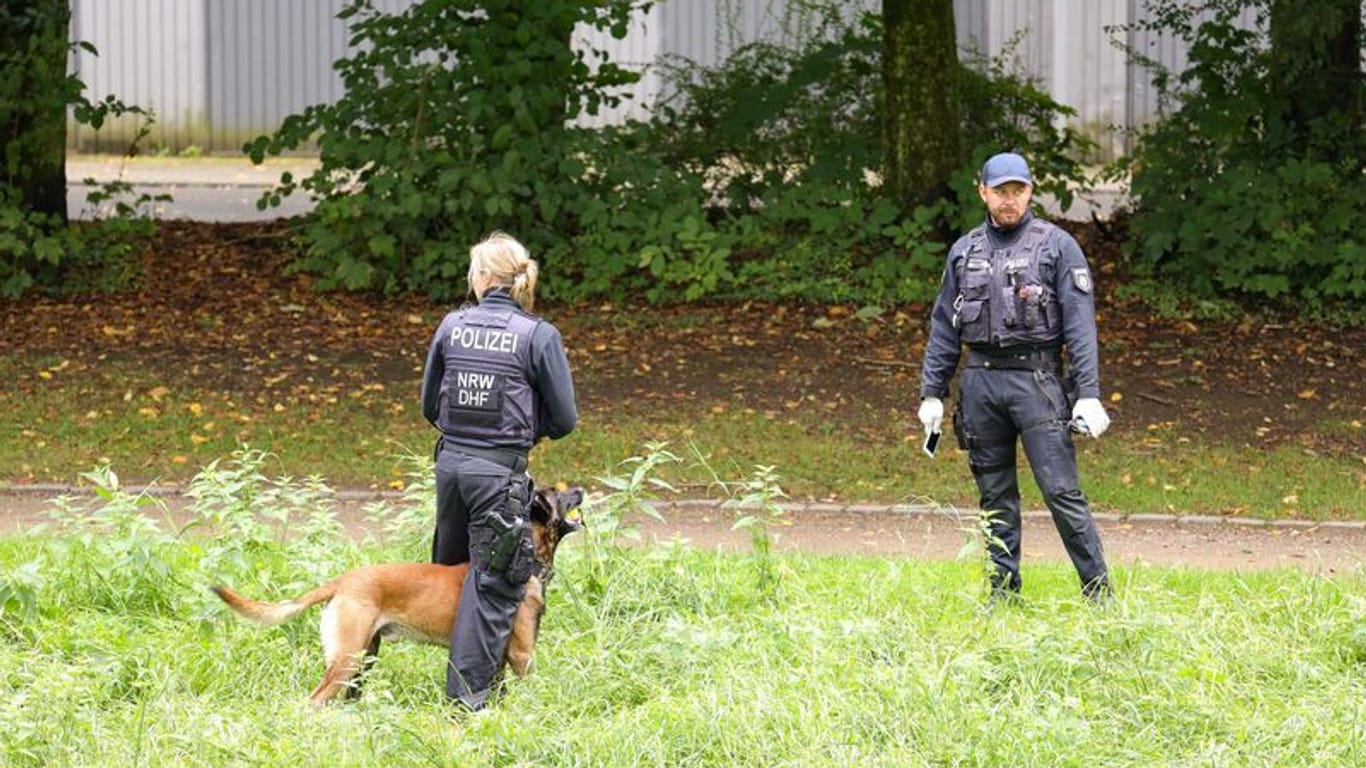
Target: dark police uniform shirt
pixel 1074 291
pixel 546 373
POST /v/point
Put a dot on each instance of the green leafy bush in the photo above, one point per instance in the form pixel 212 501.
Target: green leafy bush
pixel 1238 192
pixel 754 178
pixel 758 177
pixel 455 122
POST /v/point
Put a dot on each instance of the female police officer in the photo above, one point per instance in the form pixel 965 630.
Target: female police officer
pixel 496 381
pixel 1017 290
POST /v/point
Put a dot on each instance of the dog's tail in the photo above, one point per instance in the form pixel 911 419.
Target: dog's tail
pixel 271 614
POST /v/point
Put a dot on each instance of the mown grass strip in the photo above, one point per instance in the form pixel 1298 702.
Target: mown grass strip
pixel 51 430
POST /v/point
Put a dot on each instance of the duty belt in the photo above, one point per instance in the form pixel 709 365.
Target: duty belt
pixel 1046 359
pixel 507 457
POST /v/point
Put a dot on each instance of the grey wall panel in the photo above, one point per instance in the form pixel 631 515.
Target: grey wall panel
pixel 1087 71
pixel 147 57
pixel 1064 46
pixel 267 60
pixel 708 31
pixel 971 24
pixel 1021 30
pixel 219 72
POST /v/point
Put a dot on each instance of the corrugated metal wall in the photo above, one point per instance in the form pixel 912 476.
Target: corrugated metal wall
pixel 265 60
pixel 150 54
pixel 219 72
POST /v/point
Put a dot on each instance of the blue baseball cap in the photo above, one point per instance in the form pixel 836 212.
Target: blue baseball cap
pixel 1006 167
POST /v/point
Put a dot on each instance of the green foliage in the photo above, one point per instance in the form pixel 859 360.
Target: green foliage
pixel 125 552
pixel 758 177
pixel 632 492
pixel 1237 193
pixel 33 246
pixel 118 555
pixel 41 251
pixel 754 178
pixel 411 520
pixel 454 124
pixel 19 588
pixel 758 509
pixel 252 513
pixel 37 247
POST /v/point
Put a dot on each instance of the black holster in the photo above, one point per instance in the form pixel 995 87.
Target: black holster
pixel 501 543
pixel 506 535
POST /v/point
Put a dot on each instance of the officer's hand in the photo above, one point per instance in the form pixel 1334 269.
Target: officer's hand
pixel 1092 413
pixel 932 414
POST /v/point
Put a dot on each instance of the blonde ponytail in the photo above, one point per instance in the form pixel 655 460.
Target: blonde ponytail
pixel 524 284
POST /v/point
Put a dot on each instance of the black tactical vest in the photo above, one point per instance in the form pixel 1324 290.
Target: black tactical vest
pixel 486 395
pixel 1006 296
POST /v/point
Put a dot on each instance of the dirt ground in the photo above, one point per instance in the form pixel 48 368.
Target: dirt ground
pixel 1325 549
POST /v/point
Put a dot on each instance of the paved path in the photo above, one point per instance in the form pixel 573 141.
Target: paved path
pixel 203 189
pixel 227 188
pixel 927 533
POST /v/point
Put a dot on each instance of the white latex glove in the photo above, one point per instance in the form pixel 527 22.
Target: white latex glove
pixel 932 414
pixel 1090 411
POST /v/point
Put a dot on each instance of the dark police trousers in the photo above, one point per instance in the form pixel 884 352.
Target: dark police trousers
pixel 470 489
pixel 999 406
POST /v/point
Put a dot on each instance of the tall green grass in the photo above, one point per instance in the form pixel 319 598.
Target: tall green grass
pixel 113 652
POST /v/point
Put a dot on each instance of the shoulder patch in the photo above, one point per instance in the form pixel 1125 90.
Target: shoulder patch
pixel 1081 277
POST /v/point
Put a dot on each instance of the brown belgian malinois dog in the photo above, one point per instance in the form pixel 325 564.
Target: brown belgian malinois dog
pixel 417 601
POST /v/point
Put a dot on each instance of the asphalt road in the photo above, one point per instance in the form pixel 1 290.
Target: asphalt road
pixel 227 188
pixel 202 189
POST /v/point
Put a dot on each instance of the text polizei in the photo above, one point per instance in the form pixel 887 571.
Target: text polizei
pixel 485 339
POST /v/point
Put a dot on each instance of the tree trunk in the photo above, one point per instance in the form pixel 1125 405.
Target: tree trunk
pixel 33 67
pixel 920 123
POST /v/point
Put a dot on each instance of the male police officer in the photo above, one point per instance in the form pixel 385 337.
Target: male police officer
pixel 496 381
pixel 1017 290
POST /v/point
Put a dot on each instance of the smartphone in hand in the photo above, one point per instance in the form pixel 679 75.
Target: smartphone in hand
pixel 931 444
